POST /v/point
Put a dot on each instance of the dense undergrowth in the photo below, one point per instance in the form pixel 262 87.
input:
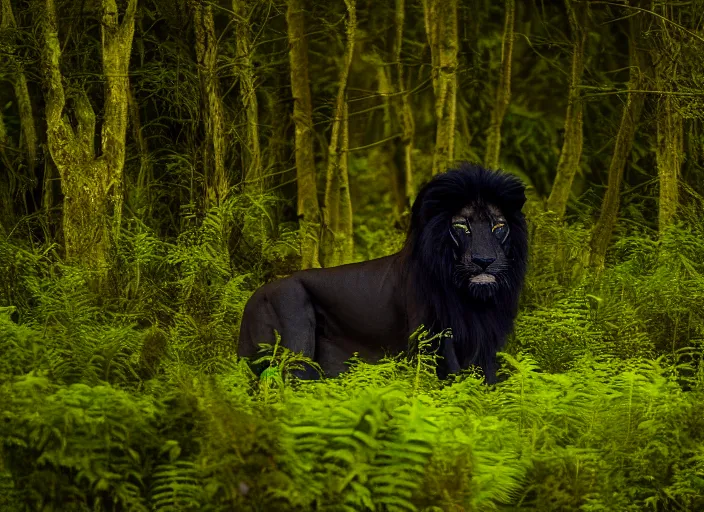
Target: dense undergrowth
pixel 134 401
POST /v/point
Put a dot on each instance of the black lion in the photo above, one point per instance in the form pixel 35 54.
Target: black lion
pixel 462 267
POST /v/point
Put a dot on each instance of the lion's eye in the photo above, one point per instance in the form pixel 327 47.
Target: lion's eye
pixel 461 226
pixel 500 230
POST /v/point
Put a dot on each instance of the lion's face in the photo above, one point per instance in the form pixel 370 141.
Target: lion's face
pixel 480 234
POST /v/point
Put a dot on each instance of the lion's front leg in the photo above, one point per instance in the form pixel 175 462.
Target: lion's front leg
pixel 448 365
pixel 490 368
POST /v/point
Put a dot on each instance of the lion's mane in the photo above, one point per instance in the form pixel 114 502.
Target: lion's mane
pixel 479 327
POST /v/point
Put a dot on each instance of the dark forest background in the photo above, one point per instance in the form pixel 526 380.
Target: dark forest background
pixel 161 159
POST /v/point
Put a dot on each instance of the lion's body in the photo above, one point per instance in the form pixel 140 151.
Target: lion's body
pixel 466 279
pixel 331 313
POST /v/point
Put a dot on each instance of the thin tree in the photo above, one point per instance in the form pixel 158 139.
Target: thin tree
pixel 254 185
pixel 669 149
pixel 6 189
pixel 503 90
pixel 8 25
pixel 403 104
pixel 145 176
pixel 394 151
pixel 338 236
pixel 308 208
pixel 26 146
pixel 669 154
pixel 571 154
pixel 441 29
pixel 91 184
pixel 601 235
pixel 387 149
pixel 275 151
pixel 206 42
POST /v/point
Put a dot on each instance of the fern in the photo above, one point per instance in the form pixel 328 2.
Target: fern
pixel 557 335
pixel 23 349
pixel 365 453
pixel 80 444
pixel 176 484
pixel 24 272
pixel 142 272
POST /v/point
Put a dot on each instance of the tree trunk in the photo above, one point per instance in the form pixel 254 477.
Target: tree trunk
pixel 669 149
pixel 245 72
pixel 441 28
pixel 7 213
pixel 601 235
pixel 503 91
pixel 308 208
pixel 387 149
pixel 403 105
pixel 116 49
pixel 145 177
pixel 24 104
pixel 255 230
pixel 90 184
pixel 276 150
pixel 571 153
pixel 338 238
pixel 215 178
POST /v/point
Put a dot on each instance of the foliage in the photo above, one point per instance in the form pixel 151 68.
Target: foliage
pixel 382 437
pixel 667 291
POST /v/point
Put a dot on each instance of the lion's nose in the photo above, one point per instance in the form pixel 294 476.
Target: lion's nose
pixel 483 262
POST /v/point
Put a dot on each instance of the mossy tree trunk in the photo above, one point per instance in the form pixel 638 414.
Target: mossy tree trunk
pixel 441 29
pixel 571 154
pixel 255 222
pixel 116 41
pixel 214 176
pixel 21 88
pixel 6 208
pixel 669 157
pixel 307 202
pixel 388 148
pixel 403 104
pixel 395 151
pixel 669 148
pixel 275 152
pixel 337 216
pixel 601 234
pixel 145 177
pixel 92 186
pixel 503 90
pixel 28 142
